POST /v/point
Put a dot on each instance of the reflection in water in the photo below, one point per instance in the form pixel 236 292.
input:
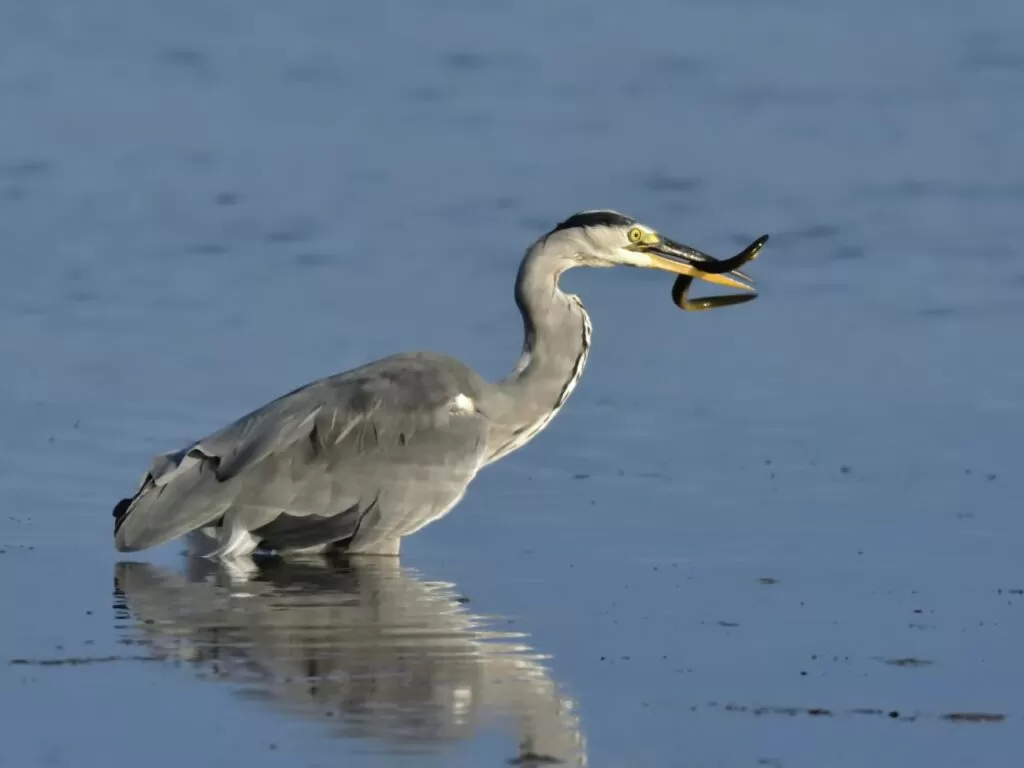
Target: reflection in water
pixel 370 648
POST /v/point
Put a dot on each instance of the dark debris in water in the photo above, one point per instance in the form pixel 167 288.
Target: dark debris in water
pixel 767 580
pixel 889 714
pixel 974 717
pixel 788 711
pixel 909 662
pixel 77 661
pixel 533 758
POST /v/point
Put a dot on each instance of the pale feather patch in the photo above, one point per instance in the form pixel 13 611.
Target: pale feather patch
pixel 461 404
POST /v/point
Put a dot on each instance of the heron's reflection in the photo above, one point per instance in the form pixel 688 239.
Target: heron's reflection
pixel 368 647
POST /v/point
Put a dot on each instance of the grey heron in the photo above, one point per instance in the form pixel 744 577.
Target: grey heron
pixel 356 461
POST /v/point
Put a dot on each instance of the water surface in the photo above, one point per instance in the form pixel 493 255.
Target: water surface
pixel 784 534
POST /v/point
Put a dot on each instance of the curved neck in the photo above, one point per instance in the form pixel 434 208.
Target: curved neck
pixel 556 342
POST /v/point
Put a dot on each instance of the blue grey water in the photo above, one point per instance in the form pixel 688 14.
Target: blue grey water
pixel 782 534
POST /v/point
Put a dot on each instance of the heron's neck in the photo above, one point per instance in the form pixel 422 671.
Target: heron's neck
pixel 557 340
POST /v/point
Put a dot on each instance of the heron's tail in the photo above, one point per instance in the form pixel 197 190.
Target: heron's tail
pixel 179 494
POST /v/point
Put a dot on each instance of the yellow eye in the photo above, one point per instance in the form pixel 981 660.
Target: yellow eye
pixel 635 235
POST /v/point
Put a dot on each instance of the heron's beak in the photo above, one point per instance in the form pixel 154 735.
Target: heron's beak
pixel 685 260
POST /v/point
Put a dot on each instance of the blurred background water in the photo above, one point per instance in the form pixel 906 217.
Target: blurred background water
pixel 785 534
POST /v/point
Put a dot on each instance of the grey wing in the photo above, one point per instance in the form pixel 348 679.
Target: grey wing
pixel 379 451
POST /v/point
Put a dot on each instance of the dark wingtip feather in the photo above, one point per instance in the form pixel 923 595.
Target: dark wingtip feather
pixel 120 513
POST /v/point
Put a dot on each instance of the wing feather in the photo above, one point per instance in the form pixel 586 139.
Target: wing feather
pixel 335 447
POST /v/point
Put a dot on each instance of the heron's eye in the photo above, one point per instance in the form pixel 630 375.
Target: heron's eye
pixel 635 235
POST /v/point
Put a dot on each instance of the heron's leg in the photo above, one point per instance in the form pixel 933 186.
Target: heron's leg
pixel 377 533
pixel 386 547
pixel 234 541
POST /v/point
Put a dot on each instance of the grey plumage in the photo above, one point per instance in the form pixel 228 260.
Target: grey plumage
pixel 362 451
pixel 361 459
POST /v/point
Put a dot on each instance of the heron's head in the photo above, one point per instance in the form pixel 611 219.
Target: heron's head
pixel 609 239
